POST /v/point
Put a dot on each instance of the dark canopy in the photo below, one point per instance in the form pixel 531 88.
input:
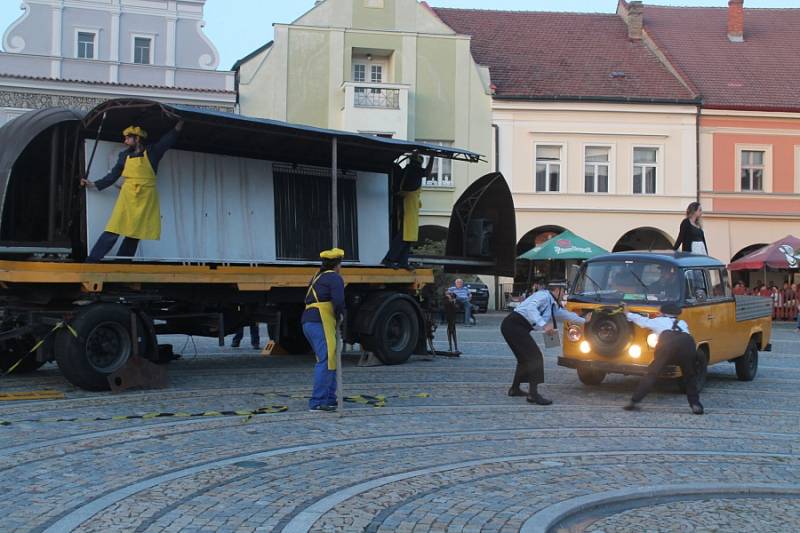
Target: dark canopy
pixel 224 133
pixel 483 226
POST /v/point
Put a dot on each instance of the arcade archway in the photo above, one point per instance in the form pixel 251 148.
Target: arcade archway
pixel 644 239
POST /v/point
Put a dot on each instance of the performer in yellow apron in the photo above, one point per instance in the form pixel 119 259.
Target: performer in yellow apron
pixel 324 306
pixel 410 190
pixel 137 214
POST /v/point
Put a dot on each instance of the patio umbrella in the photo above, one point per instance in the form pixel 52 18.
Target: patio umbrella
pixel 782 254
pixel 565 245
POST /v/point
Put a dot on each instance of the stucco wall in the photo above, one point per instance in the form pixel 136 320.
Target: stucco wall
pixel 309 58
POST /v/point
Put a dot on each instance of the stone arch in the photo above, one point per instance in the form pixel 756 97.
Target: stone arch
pixel 527 272
pixel 747 250
pixel 644 238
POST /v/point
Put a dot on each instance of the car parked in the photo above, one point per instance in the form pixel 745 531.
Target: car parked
pixel 480 295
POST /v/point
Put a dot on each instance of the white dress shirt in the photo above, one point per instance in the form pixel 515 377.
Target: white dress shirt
pixel 657 325
pixel 539 308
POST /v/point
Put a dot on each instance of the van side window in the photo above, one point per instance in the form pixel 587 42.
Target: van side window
pixel 716 286
pixel 696 290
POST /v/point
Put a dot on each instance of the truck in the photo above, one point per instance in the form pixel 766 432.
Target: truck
pixel 246 206
pixel 725 327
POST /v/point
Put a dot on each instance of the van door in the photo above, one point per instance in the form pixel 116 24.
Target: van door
pixel 727 338
pixel 698 313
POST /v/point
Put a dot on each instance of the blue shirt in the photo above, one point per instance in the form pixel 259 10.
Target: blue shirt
pixel 460 294
pixel 539 308
pixel 329 288
pixel 155 152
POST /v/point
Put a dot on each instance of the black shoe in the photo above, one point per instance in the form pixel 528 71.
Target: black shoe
pixel 256 346
pixel 632 406
pixel 697 408
pixel 234 344
pixel 538 399
pixel 325 408
pixel 516 391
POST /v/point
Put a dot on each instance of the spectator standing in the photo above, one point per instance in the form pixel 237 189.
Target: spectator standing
pixel 691 237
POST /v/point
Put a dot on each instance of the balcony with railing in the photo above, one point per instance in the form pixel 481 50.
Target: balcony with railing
pixel 376 108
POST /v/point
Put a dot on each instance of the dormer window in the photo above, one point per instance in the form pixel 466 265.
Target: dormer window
pixel 142 50
pixel 86 45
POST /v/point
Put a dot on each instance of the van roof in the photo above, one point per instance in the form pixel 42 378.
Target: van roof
pixel 679 259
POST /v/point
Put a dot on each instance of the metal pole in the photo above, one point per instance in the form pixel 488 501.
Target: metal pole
pixel 51 215
pixel 335 243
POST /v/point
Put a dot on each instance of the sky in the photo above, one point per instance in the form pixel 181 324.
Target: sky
pixel 237 27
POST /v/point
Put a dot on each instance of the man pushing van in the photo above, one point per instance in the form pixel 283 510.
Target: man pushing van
pixel 137 213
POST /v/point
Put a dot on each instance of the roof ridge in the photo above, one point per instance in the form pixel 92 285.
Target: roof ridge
pixel 517 11
pixel 721 8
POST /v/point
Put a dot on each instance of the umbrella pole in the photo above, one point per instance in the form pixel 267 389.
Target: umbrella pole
pixel 765 273
pixel 530 273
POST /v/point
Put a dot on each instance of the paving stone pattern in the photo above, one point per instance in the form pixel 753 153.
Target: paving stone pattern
pixel 465 458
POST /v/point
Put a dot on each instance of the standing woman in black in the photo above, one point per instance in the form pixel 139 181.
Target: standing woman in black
pixel 691 237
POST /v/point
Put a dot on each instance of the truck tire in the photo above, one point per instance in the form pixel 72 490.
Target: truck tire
pixel 13 350
pixel 747 364
pixel 102 346
pixel 292 338
pixel 396 333
pixel 589 376
pixel 700 371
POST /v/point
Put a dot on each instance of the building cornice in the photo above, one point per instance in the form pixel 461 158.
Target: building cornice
pixel 500 104
pixel 456 37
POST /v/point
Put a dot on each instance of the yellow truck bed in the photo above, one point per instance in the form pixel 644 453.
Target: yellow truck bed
pixel 93 276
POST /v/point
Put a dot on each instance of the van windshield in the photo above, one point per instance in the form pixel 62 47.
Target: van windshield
pixel 640 281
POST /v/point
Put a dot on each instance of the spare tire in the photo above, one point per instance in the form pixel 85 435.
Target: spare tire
pixel 608 332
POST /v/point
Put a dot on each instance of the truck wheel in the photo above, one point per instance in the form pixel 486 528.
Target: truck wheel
pixel 103 345
pixel 590 376
pixel 292 338
pixel 396 333
pixel 13 350
pixel 700 371
pixel 747 364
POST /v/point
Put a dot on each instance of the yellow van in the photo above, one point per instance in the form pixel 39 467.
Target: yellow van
pixel 726 328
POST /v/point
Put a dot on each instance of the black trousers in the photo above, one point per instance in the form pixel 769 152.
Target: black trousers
pixel 106 242
pixel 674 348
pixel 399 251
pixel 255 339
pixel 530 363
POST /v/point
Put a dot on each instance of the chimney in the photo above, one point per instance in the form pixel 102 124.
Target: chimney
pixel 736 21
pixel 635 20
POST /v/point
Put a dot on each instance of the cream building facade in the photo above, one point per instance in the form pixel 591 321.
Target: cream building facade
pixel 385 67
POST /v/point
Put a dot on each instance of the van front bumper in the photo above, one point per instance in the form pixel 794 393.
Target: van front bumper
pixel 670 371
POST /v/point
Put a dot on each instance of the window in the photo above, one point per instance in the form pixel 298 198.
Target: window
pixel 752 170
pixel 86 45
pixel 548 168
pixel 303 212
pixel 142 48
pixel 376 73
pixel 596 166
pixel 442 170
pixel 359 72
pixel 696 290
pixel 645 169
pixel 718 283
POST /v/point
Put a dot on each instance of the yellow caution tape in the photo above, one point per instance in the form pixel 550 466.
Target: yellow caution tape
pixel 39 343
pixel 247 415
pixel 31 395
pixel 379 400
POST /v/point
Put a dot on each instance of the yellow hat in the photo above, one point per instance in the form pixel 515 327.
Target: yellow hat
pixel 334 253
pixel 135 130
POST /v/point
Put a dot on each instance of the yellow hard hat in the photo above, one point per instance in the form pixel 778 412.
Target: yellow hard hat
pixel 135 130
pixel 333 253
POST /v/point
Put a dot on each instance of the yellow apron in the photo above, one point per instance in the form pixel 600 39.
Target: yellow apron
pixel 137 212
pixel 412 202
pixel 328 316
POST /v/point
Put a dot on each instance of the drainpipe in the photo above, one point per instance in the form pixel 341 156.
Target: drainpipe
pixel 697 148
pixel 496 129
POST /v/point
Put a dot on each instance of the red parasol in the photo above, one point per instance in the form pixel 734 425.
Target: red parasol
pixel 782 254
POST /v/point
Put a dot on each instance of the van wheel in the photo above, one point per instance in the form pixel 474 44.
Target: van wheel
pixel 396 333
pixel 747 364
pixel 102 346
pixel 700 371
pixel 590 376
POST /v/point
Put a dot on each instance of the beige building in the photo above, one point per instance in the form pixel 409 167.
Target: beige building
pixel 385 67
pixel 594 133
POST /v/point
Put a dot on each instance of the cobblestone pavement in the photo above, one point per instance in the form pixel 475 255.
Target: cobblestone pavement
pixel 426 446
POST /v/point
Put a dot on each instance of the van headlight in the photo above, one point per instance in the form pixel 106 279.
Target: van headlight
pixel 585 347
pixel 635 351
pixel 574 333
pixel 652 340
